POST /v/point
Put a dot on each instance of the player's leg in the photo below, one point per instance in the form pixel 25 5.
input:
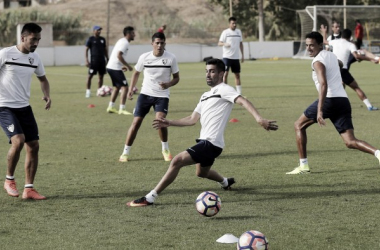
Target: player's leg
pixel 235 68
pixel 368 56
pixel 88 85
pixel 352 142
pixel 100 81
pixel 116 82
pixel 161 107
pixel 123 99
pixel 227 69
pixel 307 119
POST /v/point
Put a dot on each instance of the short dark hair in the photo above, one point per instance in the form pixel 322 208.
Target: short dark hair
pixel 128 30
pixel 346 34
pixel 219 64
pixel 315 35
pixel 158 35
pixel 31 28
pixel 232 19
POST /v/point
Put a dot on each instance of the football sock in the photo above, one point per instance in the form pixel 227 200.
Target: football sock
pixel 224 183
pixel 122 107
pixel 304 162
pixel 377 58
pixel 151 197
pixel 377 153
pixel 111 104
pixel 28 186
pixel 88 91
pixel 367 103
pixel 165 145
pixel 8 177
pixel 238 89
pixel 126 150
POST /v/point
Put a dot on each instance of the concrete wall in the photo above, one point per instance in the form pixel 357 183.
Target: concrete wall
pixel 75 55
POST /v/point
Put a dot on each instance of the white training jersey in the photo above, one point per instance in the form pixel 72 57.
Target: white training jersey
pixel 156 70
pixel 215 108
pixel 234 38
pixel 16 70
pixel 333 77
pixel 343 50
pixel 121 45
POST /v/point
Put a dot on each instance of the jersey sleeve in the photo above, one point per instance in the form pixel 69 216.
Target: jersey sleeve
pixel 223 36
pixel 139 66
pixel 198 108
pixel 175 68
pixel 352 47
pixel 3 56
pixel 241 36
pixel 40 70
pixel 88 43
pixel 229 93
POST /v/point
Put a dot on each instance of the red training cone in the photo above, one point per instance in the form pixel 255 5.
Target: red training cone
pixel 91 106
pixel 234 120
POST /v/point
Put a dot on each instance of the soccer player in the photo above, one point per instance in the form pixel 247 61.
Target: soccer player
pixel 336 34
pixel 332 103
pixel 17 65
pixel 115 67
pixel 213 110
pixel 158 66
pixel 359 33
pixel 231 39
pixel 343 48
pixel 99 54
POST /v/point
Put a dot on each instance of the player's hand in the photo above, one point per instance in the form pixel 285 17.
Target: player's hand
pixel 268 124
pixel 320 119
pixel 48 102
pixel 130 68
pixel 160 123
pixel 124 68
pixel 227 45
pixel 130 94
pixel 323 28
pixel 87 64
pixel 164 85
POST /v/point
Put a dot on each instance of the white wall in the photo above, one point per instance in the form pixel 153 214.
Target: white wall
pixel 75 55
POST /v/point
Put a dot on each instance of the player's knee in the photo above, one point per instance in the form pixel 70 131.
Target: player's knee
pixel 350 144
pixel 201 174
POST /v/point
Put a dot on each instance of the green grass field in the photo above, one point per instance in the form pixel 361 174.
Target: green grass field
pixel 335 207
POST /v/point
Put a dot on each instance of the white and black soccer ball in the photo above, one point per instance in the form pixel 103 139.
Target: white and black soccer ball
pixel 253 240
pixel 104 91
pixel 100 92
pixel 208 203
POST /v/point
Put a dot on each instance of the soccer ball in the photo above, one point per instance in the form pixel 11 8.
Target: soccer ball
pixel 253 240
pixel 208 203
pixel 104 91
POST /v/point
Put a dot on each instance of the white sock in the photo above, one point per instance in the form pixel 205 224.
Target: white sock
pixel 238 89
pixel 165 145
pixel 126 150
pixel 151 197
pixel 377 153
pixel 28 186
pixel 377 58
pixel 224 183
pixel 88 91
pixel 8 177
pixel 111 104
pixel 367 103
pixel 304 162
pixel 122 106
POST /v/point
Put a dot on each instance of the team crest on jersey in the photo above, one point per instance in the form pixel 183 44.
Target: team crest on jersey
pixel 11 128
pixel 164 61
pixel 31 60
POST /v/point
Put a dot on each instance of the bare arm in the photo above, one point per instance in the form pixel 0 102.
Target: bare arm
pixel 266 124
pixel 242 51
pixel 45 87
pixel 174 81
pixel 324 34
pixel 320 70
pixel 186 121
pixel 220 43
pixel 121 59
pixel 87 62
pixel 134 79
pixel 106 52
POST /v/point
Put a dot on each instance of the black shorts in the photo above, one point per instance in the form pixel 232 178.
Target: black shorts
pixel 337 109
pixel 204 152
pixel 346 76
pixel 145 102
pixel 97 65
pixel 19 121
pixel 118 78
pixel 234 64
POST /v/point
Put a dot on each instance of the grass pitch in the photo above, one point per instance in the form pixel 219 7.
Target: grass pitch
pixel 335 207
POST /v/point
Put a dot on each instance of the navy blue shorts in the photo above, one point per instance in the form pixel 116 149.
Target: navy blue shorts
pixel 19 121
pixel 97 65
pixel 204 152
pixel 346 76
pixel 118 78
pixel 337 109
pixel 234 64
pixel 145 102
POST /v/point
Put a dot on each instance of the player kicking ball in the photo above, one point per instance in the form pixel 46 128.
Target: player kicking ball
pixel 213 111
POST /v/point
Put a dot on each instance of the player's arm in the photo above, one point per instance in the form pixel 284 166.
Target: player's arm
pixel 186 121
pixel 324 34
pixel 134 79
pixel 266 124
pixel 121 59
pixel 365 55
pixel 86 56
pixel 45 87
pixel 242 51
pixel 106 52
pixel 174 81
pixel 320 70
